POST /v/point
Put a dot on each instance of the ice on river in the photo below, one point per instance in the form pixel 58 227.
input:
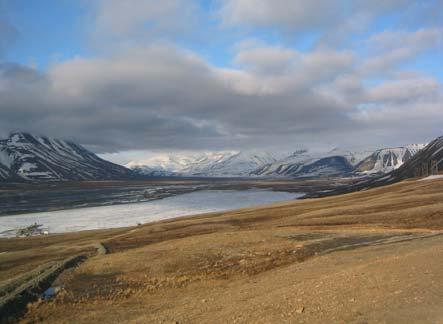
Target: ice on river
pixel 198 202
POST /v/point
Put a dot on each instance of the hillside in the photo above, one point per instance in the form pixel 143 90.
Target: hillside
pixel 372 256
pixel 418 166
pixel 387 160
pixel 24 157
pixel 302 164
pixel 421 163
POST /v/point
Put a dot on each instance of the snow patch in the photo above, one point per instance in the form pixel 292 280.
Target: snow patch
pixel 27 167
pixel 432 177
pixel 6 159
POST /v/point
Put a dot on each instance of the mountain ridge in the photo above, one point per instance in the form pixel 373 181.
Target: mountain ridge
pixel 418 166
pixel 386 160
pixel 24 157
pixel 300 163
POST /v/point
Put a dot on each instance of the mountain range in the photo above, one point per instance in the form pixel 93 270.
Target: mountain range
pixel 206 164
pixel 301 163
pixel 24 157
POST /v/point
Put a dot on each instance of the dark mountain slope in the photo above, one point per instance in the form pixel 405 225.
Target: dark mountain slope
pixel 24 157
pixel 423 159
pixel 418 166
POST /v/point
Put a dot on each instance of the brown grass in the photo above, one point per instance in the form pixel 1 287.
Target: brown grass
pixel 366 256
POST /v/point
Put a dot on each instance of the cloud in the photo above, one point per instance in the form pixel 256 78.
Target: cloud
pixel 406 123
pixel 387 62
pixel 336 23
pixel 331 20
pixel 150 94
pixel 145 19
pixel 405 91
pixel 389 50
pixel 158 97
pixel 406 108
pixel 267 59
pixel 162 97
pixel 293 14
pixel 422 39
pixel 281 68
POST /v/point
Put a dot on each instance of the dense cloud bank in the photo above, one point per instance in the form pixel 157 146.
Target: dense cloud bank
pixel 157 95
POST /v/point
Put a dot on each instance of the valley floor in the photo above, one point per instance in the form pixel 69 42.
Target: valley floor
pixel 20 198
pixel 369 257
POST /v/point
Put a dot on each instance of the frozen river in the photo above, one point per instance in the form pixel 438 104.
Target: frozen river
pixel 197 202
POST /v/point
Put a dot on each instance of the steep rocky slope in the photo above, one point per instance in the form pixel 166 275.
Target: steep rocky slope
pixel 423 159
pixel 24 157
pixel 388 159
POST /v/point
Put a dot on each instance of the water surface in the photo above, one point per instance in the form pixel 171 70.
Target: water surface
pixel 197 202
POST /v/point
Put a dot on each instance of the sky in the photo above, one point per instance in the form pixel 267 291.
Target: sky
pixel 125 78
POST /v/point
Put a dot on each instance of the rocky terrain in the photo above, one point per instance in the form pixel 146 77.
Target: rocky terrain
pixel 426 162
pixel 421 163
pixel 24 157
pixel 387 160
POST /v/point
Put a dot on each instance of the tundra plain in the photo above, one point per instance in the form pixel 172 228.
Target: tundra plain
pixel 374 256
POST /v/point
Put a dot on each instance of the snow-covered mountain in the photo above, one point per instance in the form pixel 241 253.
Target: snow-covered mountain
pixel 426 160
pixel 24 157
pixel 433 152
pixel 339 162
pixel 305 163
pixel 388 159
pixel 206 164
pixel 301 163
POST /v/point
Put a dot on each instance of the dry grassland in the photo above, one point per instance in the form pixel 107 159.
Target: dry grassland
pixel 366 257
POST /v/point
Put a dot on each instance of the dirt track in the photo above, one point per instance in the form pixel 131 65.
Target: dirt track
pixel 374 256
